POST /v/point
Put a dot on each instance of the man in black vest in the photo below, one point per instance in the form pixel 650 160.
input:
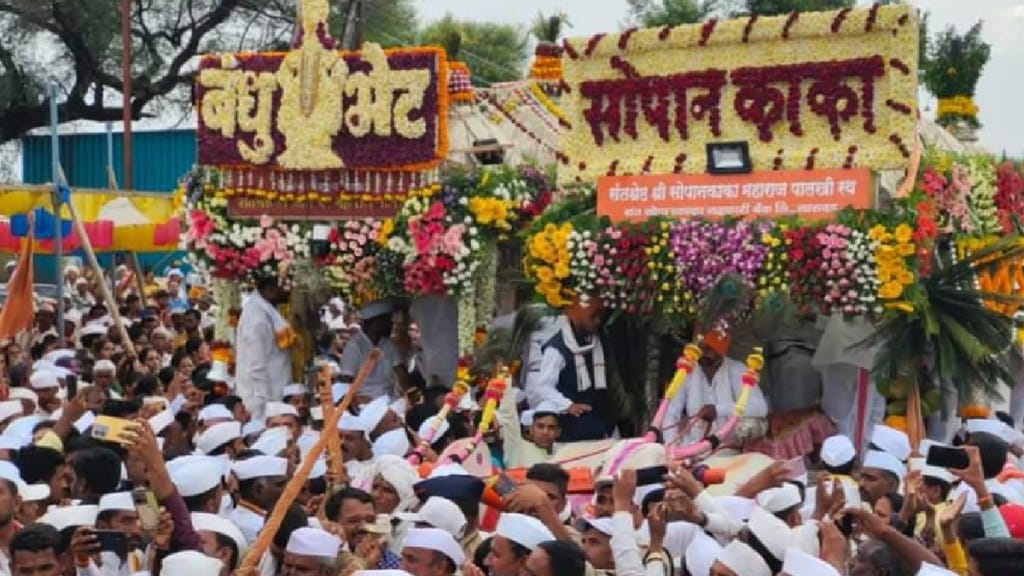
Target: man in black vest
pixel 571 374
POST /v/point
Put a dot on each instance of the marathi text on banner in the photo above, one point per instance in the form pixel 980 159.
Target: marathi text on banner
pixel 316 109
pixel 811 195
pixel 814 90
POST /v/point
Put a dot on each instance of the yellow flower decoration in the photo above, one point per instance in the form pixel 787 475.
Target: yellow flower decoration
pixel 878 233
pixel 903 234
pixel 386 229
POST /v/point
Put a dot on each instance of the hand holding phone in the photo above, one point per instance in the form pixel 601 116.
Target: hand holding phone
pixel 948 457
pixel 112 541
pixel 148 508
pixel 109 429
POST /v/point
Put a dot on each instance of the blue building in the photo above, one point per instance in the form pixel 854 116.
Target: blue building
pixel 159 160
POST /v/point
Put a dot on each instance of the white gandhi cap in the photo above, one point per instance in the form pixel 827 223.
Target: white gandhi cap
pixel 191 563
pixel 837 450
pixel 260 467
pixel 196 474
pixel 313 542
pixel 437 540
pixel 891 440
pixel 776 500
pixel 117 501
pixel 524 530
pixel 800 563
pixel 884 461
pixel 204 522
pixel 743 560
pixel 439 513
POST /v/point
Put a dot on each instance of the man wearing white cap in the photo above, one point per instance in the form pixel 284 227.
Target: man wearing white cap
pixel 597 534
pixel 103 374
pixel 117 512
pixel 297 396
pixel 45 384
pixel 520 452
pixel 880 474
pixel 890 440
pixel 839 457
pixel 393 478
pixel 221 539
pixel 310 552
pixel 260 482
pixel 198 479
pixel 515 537
pixel 285 415
pixel 264 364
pixel 384 428
pixel 375 319
pixel 224 439
pixel 431 552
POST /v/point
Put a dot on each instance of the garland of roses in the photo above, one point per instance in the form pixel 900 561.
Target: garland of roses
pixel 240 250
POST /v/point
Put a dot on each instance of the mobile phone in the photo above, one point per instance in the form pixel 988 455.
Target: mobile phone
pixel 845 525
pixel 71 384
pixel 109 428
pixel 112 541
pixel 147 507
pixel 948 457
pixel 651 475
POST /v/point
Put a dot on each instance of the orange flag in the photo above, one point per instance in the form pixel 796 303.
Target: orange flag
pixel 915 419
pixel 17 313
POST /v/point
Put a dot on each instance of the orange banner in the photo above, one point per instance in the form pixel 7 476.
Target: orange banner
pixel 809 194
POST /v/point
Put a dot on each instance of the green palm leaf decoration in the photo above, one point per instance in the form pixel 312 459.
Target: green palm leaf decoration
pixel 965 342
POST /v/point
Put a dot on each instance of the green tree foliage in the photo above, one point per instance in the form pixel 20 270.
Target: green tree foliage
pixel 955 61
pixel 494 52
pixel 83 40
pixel 777 7
pixel 656 13
pixel 549 29
pixel 389 23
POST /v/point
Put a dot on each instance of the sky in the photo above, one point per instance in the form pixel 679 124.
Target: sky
pixel 998 92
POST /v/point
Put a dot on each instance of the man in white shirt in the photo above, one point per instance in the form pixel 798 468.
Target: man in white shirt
pixel 260 482
pixel 387 376
pixel 571 375
pixel 264 362
pixel 710 392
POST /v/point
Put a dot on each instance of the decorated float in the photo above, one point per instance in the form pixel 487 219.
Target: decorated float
pixel 785 152
pixel 685 155
pixel 325 168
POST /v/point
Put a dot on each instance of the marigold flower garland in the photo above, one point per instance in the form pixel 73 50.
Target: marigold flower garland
pixel 891 254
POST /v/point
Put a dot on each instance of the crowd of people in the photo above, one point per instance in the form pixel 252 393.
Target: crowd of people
pixel 150 456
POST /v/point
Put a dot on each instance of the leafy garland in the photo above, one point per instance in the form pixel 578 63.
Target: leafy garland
pixel 952 67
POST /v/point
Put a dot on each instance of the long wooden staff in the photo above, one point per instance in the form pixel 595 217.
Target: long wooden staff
pixel 294 486
pixel 334 456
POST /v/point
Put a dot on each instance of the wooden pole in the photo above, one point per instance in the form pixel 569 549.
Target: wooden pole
pixel 108 299
pixel 294 486
pixel 335 461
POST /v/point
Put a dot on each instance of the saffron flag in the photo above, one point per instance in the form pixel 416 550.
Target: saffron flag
pixel 17 313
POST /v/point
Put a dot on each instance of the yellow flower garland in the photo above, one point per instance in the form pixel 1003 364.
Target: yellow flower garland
pixel 548 262
pixel 891 259
pixel 958 106
pixel 547 103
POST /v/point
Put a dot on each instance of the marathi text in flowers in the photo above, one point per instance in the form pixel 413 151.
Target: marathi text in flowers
pixel 316 109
